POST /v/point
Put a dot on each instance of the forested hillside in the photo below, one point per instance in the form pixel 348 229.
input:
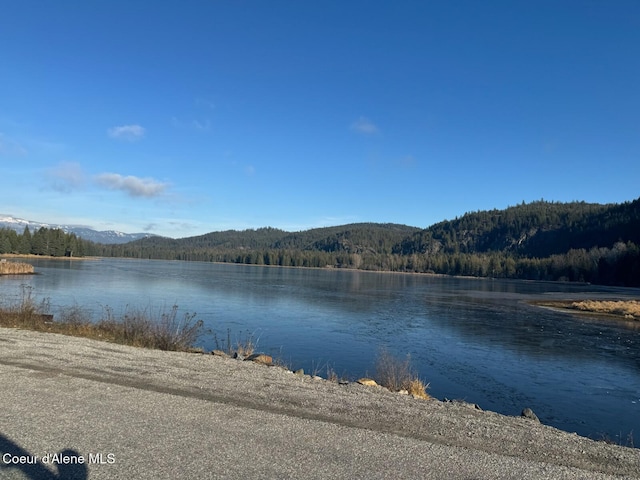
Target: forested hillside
pixel 344 246
pixel 541 241
pixel 538 229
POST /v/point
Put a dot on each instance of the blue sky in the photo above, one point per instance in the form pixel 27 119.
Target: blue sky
pixel 181 118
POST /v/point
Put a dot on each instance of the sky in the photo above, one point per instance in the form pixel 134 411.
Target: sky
pixel 180 118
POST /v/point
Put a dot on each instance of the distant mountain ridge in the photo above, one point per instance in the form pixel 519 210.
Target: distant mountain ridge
pixel 537 229
pixel 541 240
pixel 108 237
pixel 354 238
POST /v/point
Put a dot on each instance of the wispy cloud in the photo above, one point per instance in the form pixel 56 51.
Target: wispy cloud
pixel 200 125
pixel 320 222
pixel 131 185
pixel 10 147
pixel 183 226
pixel 365 126
pixel 130 133
pixel 66 177
pixel 249 170
pixel 205 102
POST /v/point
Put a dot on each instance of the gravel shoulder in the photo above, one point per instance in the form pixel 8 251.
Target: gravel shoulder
pixel 65 392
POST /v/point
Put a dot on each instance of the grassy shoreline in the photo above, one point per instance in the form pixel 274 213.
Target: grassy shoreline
pixel 164 330
pixel 43 257
pixel 619 309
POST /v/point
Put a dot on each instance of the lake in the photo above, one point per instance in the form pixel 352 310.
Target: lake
pixel 476 340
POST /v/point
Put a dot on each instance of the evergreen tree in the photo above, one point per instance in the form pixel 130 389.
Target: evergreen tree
pixel 5 244
pixel 39 242
pixel 24 247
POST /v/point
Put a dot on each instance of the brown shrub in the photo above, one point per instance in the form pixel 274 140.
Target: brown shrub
pixel 396 374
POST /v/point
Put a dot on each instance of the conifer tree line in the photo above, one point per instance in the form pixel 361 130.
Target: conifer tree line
pixel 52 242
pixel 619 265
pixel 541 240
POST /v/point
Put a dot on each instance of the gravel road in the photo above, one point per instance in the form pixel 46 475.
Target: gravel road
pixel 87 409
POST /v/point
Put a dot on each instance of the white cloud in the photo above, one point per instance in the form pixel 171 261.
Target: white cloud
pixel 66 176
pixel 131 185
pixel 130 133
pixel 365 126
pixel 249 170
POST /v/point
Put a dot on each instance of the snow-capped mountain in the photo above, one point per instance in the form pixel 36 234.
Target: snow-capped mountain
pixel 106 236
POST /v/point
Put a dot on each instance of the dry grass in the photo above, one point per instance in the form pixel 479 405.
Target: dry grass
pixel 15 268
pixel 418 389
pixel 329 373
pixel 246 348
pixel 162 331
pixel 26 312
pixel 623 309
pixel 139 328
pixel 396 375
pixel 628 309
pixel 333 376
pixel 242 347
pixel 627 442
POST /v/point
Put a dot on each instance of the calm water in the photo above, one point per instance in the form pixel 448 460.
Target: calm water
pixel 472 339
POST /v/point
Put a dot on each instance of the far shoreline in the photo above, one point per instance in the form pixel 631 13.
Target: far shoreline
pixel 44 257
pixel 325 268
